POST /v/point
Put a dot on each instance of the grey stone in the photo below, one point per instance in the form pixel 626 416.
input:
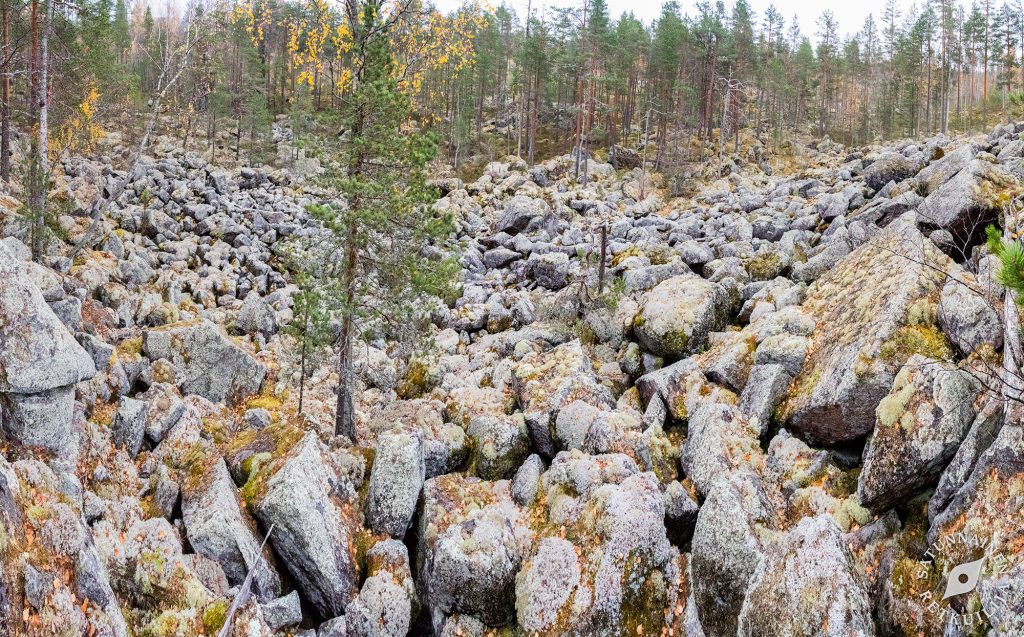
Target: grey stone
pixel 213 366
pixel 807 584
pixel 765 388
pixel 37 352
pixel 527 480
pixel 678 314
pixel 734 526
pixel 312 532
pixel 220 529
pixel 968 317
pixel 283 611
pixel 920 424
pixel 129 426
pixel 395 482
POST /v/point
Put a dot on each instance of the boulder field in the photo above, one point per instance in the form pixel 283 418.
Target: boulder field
pixel 777 414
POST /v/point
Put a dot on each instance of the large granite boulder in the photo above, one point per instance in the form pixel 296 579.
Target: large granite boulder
pixel 678 314
pixel 970 199
pixel 735 524
pixel 874 310
pixel 218 528
pixel 40 362
pixel 313 524
pixel 919 426
pixel 472 541
pixel 212 365
pixel 807 584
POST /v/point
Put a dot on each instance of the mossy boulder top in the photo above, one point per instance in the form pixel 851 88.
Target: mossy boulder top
pixel 874 310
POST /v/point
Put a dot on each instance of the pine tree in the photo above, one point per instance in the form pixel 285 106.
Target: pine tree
pixel 385 228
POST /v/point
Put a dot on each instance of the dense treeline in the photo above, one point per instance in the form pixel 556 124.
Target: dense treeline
pixel 490 81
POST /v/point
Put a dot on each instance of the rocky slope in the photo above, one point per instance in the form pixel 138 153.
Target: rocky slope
pixel 776 418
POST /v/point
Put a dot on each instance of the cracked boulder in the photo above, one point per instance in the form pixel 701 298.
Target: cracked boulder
pixel 40 363
pixel 919 426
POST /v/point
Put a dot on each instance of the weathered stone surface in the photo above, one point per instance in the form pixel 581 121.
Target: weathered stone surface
pixel 213 366
pixel 919 426
pixel 395 482
pixel 872 312
pixel 37 352
pixel 220 529
pixel 313 528
pixel 721 441
pixel 807 584
pixel 544 382
pixel 970 314
pixel 970 199
pixel 982 520
pixel 678 314
pixel 890 166
pixel 735 524
pixel 468 556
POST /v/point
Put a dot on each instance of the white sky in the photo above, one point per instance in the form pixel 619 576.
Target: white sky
pixel 850 14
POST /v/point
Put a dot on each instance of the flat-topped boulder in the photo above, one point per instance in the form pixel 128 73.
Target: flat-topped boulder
pixel 212 365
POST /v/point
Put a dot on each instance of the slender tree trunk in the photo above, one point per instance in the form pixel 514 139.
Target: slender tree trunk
pixel 5 91
pixel 345 413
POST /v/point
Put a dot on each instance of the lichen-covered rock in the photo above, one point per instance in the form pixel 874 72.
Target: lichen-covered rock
pixel 920 425
pixel 607 566
pixel 790 464
pixel 546 584
pixel 985 428
pixel 218 528
pixel 891 166
pixel 213 366
pixel 544 382
pixel 721 441
pixel 986 511
pixel 519 212
pixel 970 199
pixel 872 312
pixel 37 352
pixel 735 524
pixel 40 362
pixel 129 427
pixel 500 444
pixel 765 388
pixel 314 527
pixel 807 584
pixel 256 316
pixel 472 540
pixel 678 314
pixel 395 482
pixel 969 314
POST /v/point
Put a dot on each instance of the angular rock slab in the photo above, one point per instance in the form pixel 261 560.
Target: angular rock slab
pixel 313 529
pixel 214 367
pixel 37 352
pixel 472 540
pixel 919 426
pixel 218 528
pixel 986 510
pixel 807 584
pixel 735 524
pixel 872 311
